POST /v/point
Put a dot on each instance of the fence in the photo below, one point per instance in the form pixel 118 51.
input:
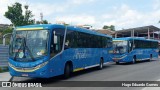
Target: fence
pixel 4 55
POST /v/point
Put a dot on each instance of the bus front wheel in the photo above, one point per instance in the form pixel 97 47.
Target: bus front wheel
pixel 117 63
pixel 134 60
pixel 150 58
pixel 100 64
pixel 67 71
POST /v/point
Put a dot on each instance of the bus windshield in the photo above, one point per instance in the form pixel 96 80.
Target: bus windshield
pixel 28 45
pixel 120 46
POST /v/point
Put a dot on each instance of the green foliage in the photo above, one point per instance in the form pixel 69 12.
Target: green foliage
pixel 15 15
pixel 3 32
pixel 112 27
pixel 3 69
pixel 38 22
pixel 8 30
pixel 105 27
pixel 43 22
pixel 66 24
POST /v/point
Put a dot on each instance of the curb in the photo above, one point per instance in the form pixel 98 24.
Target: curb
pixel 5 76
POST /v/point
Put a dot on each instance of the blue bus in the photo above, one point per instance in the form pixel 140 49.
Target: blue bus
pixel 48 50
pixel 132 49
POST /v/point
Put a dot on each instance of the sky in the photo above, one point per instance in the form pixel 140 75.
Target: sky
pixel 123 14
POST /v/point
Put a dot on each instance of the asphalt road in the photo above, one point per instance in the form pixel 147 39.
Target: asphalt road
pixel 141 71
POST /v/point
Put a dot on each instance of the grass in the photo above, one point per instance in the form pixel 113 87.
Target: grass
pixel 3 69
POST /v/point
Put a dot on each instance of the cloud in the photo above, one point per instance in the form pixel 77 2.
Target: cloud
pixel 47 9
pixel 80 1
pixel 126 17
pixel 122 16
pixel 77 19
pixel 4 7
pixel 156 4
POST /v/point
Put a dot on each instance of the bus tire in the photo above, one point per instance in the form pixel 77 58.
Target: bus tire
pixel 67 71
pixel 100 67
pixel 117 63
pixel 150 58
pixel 134 60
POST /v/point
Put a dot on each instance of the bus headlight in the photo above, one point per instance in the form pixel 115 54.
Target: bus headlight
pixel 10 64
pixel 41 65
pixel 30 69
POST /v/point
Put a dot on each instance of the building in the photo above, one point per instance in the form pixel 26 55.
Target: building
pixel 105 31
pixel 4 26
pixel 85 26
pixel 149 32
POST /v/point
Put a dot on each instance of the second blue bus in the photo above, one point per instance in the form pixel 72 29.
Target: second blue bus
pixel 132 49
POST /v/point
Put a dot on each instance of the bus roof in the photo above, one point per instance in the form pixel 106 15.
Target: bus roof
pixel 135 38
pixel 50 26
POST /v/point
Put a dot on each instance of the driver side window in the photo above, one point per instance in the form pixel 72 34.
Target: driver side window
pixel 130 45
pixel 57 41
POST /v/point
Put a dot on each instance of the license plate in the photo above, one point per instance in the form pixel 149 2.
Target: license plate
pixel 25 75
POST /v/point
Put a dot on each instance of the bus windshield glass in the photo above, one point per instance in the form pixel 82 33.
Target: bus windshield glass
pixel 120 46
pixel 28 45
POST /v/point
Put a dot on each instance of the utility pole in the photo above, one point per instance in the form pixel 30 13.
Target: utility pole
pixel 26 13
pixel 41 15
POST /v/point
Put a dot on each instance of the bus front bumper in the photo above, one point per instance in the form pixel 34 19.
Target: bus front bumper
pixel 40 71
pixel 120 58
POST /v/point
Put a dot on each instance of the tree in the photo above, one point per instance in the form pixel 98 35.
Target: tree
pixel 43 22
pixel 38 22
pixel 15 15
pixel 111 27
pixel 7 30
pixel 105 27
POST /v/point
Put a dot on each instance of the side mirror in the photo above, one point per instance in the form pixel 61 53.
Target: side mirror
pixel 130 44
pixel 55 38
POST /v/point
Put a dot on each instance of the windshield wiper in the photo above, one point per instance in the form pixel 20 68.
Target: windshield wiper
pixel 19 49
pixel 28 50
pixel 24 47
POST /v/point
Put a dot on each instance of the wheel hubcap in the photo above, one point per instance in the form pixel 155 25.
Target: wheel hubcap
pixel 101 65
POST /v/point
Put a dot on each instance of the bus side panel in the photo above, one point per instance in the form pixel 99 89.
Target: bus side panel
pixel 79 57
pixel 56 66
pixel 139 54
pixel 106 55
pixel 155 53
pixel 96 56
pixel 76 56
